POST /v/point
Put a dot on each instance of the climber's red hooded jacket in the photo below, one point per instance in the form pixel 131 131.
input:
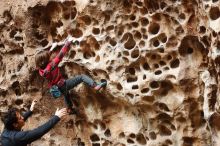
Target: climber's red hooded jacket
pixel 52 72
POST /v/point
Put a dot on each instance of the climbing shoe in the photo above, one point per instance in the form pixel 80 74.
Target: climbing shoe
pixel 100 85
pixel 72 111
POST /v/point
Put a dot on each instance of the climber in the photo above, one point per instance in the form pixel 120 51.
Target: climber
pixel 12 134
pixel 57 84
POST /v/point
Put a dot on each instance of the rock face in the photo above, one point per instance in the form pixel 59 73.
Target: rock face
pixel 160 58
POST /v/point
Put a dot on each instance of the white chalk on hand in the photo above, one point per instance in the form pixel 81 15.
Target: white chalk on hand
pixel 53 46
pixel 70 38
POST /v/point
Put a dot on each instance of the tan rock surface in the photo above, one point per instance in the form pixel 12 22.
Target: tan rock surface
pixel 160 58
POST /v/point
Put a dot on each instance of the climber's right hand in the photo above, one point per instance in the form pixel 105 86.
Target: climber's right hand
pixel 54 45
pixel 70 39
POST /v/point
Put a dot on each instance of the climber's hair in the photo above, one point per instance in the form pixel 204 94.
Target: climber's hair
pixel 10 118
pixel 42 58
